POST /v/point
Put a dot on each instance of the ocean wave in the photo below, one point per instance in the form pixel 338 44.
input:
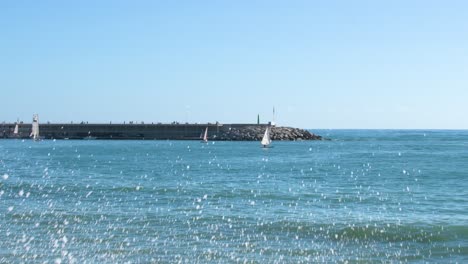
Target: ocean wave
pixel 360 232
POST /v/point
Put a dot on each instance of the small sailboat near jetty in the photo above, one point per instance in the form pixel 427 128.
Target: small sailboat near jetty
pixel 205 136
pixel 35 128
pixel 16 131
pixel 266 140
pixel 89 137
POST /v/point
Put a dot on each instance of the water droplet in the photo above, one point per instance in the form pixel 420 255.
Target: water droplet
pixel 5 176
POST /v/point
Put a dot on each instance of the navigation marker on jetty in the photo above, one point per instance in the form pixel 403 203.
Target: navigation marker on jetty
pixel 273 123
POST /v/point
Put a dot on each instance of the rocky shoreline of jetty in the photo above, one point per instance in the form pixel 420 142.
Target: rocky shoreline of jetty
pixel 254 133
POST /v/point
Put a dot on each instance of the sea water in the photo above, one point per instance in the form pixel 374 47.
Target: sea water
pixel 363 196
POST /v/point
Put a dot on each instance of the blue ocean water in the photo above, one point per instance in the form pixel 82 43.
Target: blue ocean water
pixel 364 196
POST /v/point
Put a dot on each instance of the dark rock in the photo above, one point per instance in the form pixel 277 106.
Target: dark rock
pixel 255 133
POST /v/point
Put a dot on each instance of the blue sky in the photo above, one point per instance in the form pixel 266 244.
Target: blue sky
pixel 322 64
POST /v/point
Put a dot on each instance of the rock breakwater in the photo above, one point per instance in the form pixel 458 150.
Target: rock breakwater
pixel 252 133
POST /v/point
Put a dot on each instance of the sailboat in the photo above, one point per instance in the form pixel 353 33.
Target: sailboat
pixel 15 132
pixel 35 128
pixel 205 136
pixel 266 141
pixel 89 137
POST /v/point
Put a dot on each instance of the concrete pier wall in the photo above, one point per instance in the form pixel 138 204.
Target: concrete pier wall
pixel 121 131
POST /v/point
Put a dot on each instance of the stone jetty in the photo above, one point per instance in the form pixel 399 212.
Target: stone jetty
pixel 158 131
pixel 255 133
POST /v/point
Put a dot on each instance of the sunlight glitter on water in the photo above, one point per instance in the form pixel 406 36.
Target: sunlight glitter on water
pixel 352 199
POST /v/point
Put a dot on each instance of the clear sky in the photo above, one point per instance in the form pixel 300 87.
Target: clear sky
pixel 322 64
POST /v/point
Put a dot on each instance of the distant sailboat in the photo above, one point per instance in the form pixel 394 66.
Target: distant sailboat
pixel 205 136
pixel 35 128
pixel 266 138
pixel 89 137
pixel 15 132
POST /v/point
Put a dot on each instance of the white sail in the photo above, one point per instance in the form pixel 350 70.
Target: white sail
pixel 16 130
pixel 266 138
pixel 205 136
pixel 35 128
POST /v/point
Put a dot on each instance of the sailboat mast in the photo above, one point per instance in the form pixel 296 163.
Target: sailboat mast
pixel 274 121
